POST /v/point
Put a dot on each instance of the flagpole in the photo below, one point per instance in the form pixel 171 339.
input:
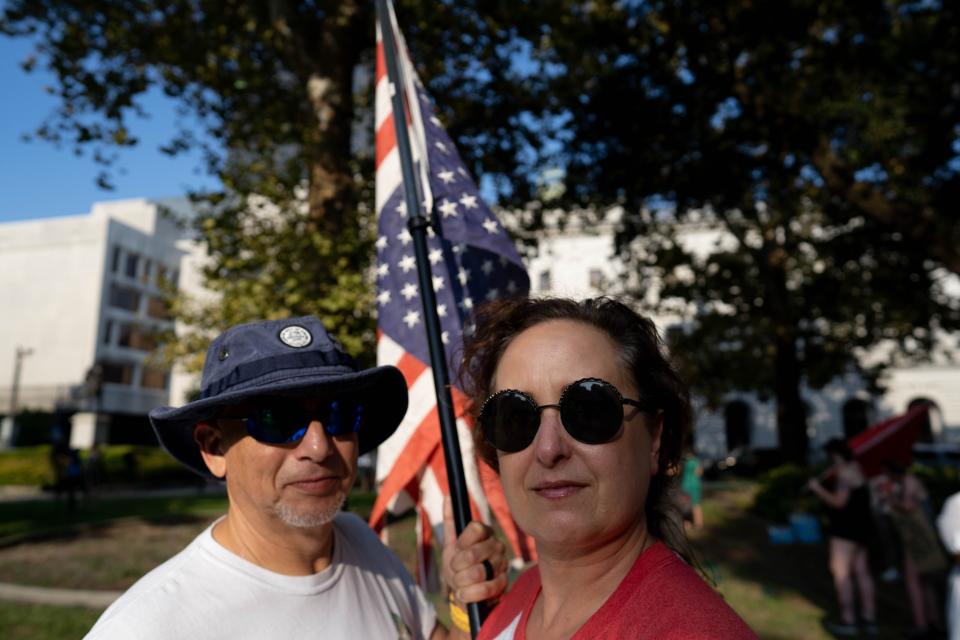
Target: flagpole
pixel 417 224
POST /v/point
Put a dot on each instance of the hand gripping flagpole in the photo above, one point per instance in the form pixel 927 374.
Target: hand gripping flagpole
pixel 417 224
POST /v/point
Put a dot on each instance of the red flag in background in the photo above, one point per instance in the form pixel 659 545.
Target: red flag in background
pixel 892 439
pixel 472 260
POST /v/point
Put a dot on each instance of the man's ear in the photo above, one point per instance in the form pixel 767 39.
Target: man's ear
pixel 209 437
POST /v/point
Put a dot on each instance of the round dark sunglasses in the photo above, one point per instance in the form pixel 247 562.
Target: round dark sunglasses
pixel 287 424
pixel 591 411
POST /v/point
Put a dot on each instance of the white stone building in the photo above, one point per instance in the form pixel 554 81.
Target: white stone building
pixel 580 262
pixel 81 291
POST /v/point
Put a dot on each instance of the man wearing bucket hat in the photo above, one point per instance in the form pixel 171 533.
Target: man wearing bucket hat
pixel 282 416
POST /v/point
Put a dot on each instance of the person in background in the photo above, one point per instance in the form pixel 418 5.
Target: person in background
pixel 850 529
pixel 584 419
pixel 282 416
pixel 923 561
pixel 880 485
pixel 691 488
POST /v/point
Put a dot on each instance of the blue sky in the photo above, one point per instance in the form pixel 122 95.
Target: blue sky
pixel 39 180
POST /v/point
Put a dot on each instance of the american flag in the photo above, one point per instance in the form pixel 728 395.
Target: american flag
pixel 472 260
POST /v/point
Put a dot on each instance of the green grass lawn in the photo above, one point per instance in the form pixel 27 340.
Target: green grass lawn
pixel 782 591
pixel 39 622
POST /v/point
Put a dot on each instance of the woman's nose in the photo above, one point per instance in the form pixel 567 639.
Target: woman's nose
pixel 552 442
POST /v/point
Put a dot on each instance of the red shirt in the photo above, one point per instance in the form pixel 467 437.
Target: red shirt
pixel 660 598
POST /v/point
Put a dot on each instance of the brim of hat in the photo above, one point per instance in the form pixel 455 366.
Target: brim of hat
pixel 382 390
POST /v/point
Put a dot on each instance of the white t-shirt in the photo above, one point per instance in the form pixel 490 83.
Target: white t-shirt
pixel 207 592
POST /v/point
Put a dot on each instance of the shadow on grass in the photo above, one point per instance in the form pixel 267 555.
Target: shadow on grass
pixel 45 518
pixel 735 547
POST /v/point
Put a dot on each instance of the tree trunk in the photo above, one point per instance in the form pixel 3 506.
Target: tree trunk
pixel 331 193
pixel 791 410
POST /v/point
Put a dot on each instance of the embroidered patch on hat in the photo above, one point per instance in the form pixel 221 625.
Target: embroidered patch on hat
pixel 295 336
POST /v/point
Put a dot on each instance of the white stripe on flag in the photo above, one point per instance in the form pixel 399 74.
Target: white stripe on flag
pixel 388 351
pixel 470 471
pixel 383 105
pixel 388 178
pixel 422 402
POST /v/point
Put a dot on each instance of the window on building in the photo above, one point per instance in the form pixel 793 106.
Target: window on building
pixel 118 372
pixel 107 331
pixel 115 260
pixel 737 424
pixel 546 283
pixel 856 416
pixel 133 336
pixel 151 378
pixel 122 297
pixel 147 270
pixel 133 262
pixel 157 308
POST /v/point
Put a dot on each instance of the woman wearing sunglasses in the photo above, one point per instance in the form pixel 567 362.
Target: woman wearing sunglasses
pixel 585 419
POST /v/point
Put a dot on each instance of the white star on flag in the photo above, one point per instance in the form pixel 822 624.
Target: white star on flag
pixel 409 291
pixel 467 303
pixel 442 310
pixel 435 256
pixel 463 275
pixel 412 318
pixel 383 269
pixel 446 176
pixel 445 337
pixel 511 287
pixel 383 297
pixel 490 225
pixel 402 209
pixel 407 263
pixel 492 295
pixel 382 242
pixel 487 267
pixel 440 145
pixel 437 283
pixel 448 208
pixel 469 201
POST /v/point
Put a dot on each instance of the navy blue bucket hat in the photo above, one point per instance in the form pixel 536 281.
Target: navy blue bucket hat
pixel 293 358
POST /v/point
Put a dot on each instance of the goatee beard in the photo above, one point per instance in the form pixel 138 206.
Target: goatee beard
pixel 310 519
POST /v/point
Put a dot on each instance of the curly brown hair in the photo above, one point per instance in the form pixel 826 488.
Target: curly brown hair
pixel 642 355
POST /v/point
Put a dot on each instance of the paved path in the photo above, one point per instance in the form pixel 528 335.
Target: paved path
pixel 57 597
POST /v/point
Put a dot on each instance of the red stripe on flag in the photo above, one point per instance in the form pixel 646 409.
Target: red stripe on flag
pixel 425 548
pixel 411 367
pixel 381 64
pixel 386 139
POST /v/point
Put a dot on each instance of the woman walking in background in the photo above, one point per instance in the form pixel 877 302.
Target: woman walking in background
pixel 850 527
pixel 923 559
